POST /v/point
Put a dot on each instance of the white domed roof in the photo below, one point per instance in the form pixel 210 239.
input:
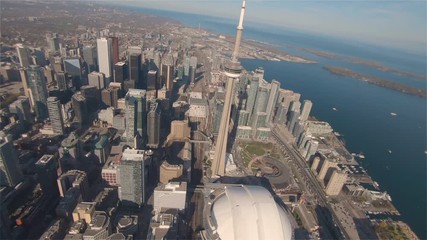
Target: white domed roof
pixel 249 212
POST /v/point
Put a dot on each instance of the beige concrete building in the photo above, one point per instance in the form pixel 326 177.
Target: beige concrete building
pixel 315 164
pixel 179 130
pixel 327 163
pixel 84 210
pixel 169 172
pixel 336 183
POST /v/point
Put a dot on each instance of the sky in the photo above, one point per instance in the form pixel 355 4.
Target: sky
pixel 400 23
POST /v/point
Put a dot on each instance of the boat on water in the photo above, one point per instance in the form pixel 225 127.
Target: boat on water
pixel 389 151
pixel 358 155
pixel 376 185
pixel 393 114
pixel 334 109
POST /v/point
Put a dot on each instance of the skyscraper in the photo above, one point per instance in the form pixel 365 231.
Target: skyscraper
pixel 115 48
pixel 136 117
pixel 295 106
pixel 90 57
pixel 192 70
pixel 133 176
pixel 25 85
pixel 92 95
pixel 153 125
pixel 73 68
pixel 38 88
pixel 97 80
pixel 52 42
pixel 46 170
pixel 261 100
pixel 120 73
pixel 219 107
pixel 55 116
pixel 186 66
pixel 306 108
pixel 22 108
pixel 109 96
pixel 232 71
pixel 168 71
pixel 293 118
pixel 152 80
pixel 135 69
pixel 274 92
pixel 105 60
pixel 10 174
pixel 252 94
pixel 23 55
pixel 80 108
pixel 39 55
pixel 61 80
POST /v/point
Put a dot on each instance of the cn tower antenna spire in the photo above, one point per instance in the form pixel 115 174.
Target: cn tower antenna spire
pixel 239 33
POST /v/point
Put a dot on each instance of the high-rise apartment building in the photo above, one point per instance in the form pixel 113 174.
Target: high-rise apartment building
pixel 55 115
pixel 252 95
pixel 38 88
pixel 306 108
pixel 261 99
pixel 274 92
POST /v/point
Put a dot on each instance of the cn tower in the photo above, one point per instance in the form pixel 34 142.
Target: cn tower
pixel 233 70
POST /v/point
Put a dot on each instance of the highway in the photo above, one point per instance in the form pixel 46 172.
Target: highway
pixel 313 185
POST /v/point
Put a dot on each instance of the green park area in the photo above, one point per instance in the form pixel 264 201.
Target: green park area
pixel 255 149
pixel 390 230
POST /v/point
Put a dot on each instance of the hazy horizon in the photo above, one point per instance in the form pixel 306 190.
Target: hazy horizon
pixel 395 24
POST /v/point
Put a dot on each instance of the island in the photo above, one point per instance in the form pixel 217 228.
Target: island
pixel 377 81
